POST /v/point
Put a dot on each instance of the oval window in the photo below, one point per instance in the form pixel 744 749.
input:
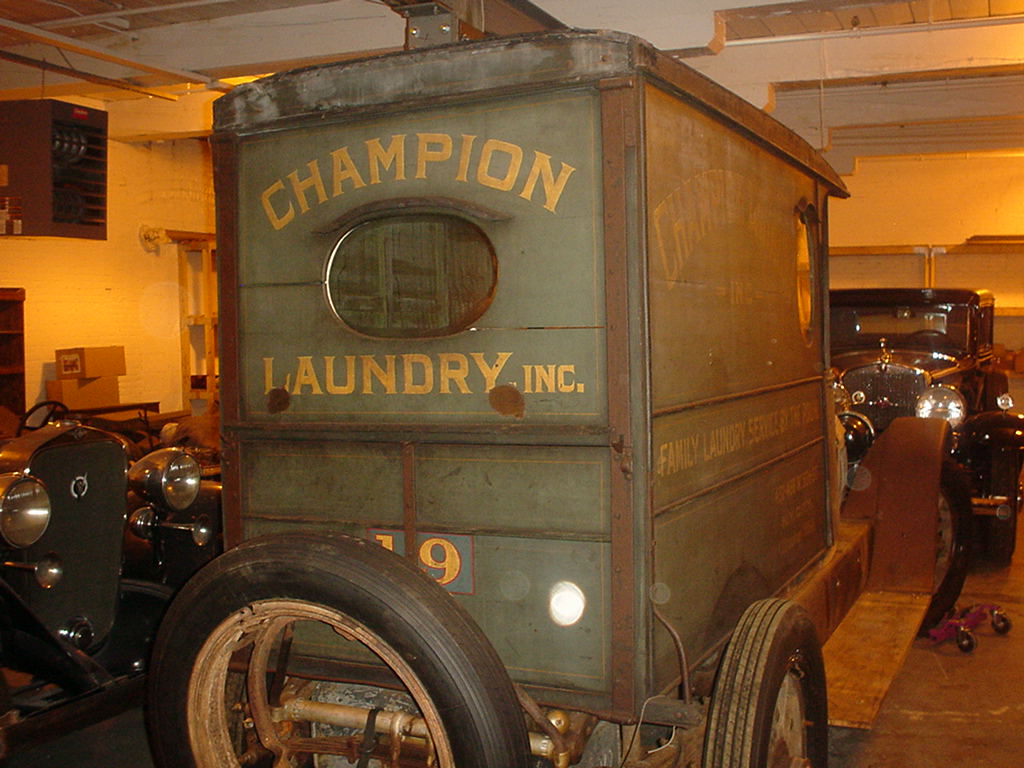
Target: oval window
pixel 806 257
pixel 411 276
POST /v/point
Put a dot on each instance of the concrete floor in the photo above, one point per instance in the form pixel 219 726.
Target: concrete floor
pixel 946 708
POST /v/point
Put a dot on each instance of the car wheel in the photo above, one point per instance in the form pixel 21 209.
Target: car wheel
pixel 1001 622
pixel 966 641
pixel 247 666
pixel 953 544
pixel 1001 530
pixel 769 704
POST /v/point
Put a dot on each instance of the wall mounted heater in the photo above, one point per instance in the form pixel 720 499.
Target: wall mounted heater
pixel 53 169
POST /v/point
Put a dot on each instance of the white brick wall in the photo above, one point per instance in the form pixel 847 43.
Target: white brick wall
pixel 98 293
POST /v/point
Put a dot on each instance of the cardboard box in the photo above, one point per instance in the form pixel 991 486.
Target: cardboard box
pixel 90 362
pixel 84 393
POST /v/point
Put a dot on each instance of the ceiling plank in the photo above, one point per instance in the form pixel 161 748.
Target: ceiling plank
pixel 80 75
pixel 893 15
pixel 929 11
pixel 95 18
pixel 492 17
pixel 510 17
pixel 34 34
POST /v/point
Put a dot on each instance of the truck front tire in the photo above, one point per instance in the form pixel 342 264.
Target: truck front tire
pixel 769 704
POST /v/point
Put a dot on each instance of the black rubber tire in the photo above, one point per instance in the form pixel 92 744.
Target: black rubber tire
pixel 956 491
pixel 1000 536
pixel 966 641
pixel 1001 623
pixel 774 647
pixel 361 581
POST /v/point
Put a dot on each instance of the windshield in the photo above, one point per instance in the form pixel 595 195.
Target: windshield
pixel 931 326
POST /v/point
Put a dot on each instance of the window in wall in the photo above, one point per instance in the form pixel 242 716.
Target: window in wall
pixel 419 275
pixel 806 256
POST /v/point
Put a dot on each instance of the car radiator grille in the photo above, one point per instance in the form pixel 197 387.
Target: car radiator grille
pixel 890 390
pixel 87 484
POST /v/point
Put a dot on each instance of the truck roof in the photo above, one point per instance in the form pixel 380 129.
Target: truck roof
pixel 498 66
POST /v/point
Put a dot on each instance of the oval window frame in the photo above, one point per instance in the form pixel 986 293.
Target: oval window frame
pixel 807 260
pixel 446 212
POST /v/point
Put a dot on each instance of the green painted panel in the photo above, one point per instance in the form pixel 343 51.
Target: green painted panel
pixel 509 513
pixel 728 261
pixel 511 580
pixel 550 375
pixel 718 553
pixel 526 171
pixel 543 489
pixel 699 447
pixel 319 482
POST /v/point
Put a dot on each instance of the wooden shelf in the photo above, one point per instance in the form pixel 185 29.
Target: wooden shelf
pixel 12 349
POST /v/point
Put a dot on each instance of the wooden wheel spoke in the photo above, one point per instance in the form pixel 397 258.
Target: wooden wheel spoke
pixel 256 687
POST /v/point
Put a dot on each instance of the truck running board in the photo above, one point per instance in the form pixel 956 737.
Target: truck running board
pixel 867 650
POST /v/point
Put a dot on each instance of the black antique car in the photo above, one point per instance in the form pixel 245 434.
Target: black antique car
pixel 95 538
pixel 929 353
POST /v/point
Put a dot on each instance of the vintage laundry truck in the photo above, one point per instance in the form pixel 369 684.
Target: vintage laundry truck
pixel 530 446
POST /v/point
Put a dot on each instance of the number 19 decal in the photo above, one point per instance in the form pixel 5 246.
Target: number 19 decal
pixel 447 558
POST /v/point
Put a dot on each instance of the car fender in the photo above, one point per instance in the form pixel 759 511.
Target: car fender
pixel 896 487
pixel 991 430
pixel 28 646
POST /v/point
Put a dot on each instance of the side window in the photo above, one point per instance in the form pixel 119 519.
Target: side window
pixel 806 258
pixel 416 275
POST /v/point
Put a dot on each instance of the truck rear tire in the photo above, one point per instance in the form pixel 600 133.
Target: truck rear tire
pixel 270 621
pixel 769 704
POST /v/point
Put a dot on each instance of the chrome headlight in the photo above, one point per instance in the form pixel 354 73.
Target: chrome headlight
pixel 942 403
pixel 166 476
pixel 858 434
pixel 24 510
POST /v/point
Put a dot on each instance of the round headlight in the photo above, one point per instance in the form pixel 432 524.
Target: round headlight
pixel 858 434
pixel 181 481
pixel 1005 401
pixel 168 476
pixel 24 510
pixel 942 403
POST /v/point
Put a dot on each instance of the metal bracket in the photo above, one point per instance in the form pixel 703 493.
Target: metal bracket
pixel 429 24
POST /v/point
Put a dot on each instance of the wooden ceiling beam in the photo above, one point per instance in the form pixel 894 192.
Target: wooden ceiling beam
pixel 492 17
pixel 36 35
pixel 78 74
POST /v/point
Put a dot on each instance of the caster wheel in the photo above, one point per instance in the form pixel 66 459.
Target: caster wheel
pixel 1001 622
pixel 965 640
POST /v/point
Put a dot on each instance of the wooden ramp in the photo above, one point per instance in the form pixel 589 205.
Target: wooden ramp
pixel 864 654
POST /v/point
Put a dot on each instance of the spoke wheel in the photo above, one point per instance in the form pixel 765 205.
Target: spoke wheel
pixel 256 633
pixel 294 651
pixel 769 707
